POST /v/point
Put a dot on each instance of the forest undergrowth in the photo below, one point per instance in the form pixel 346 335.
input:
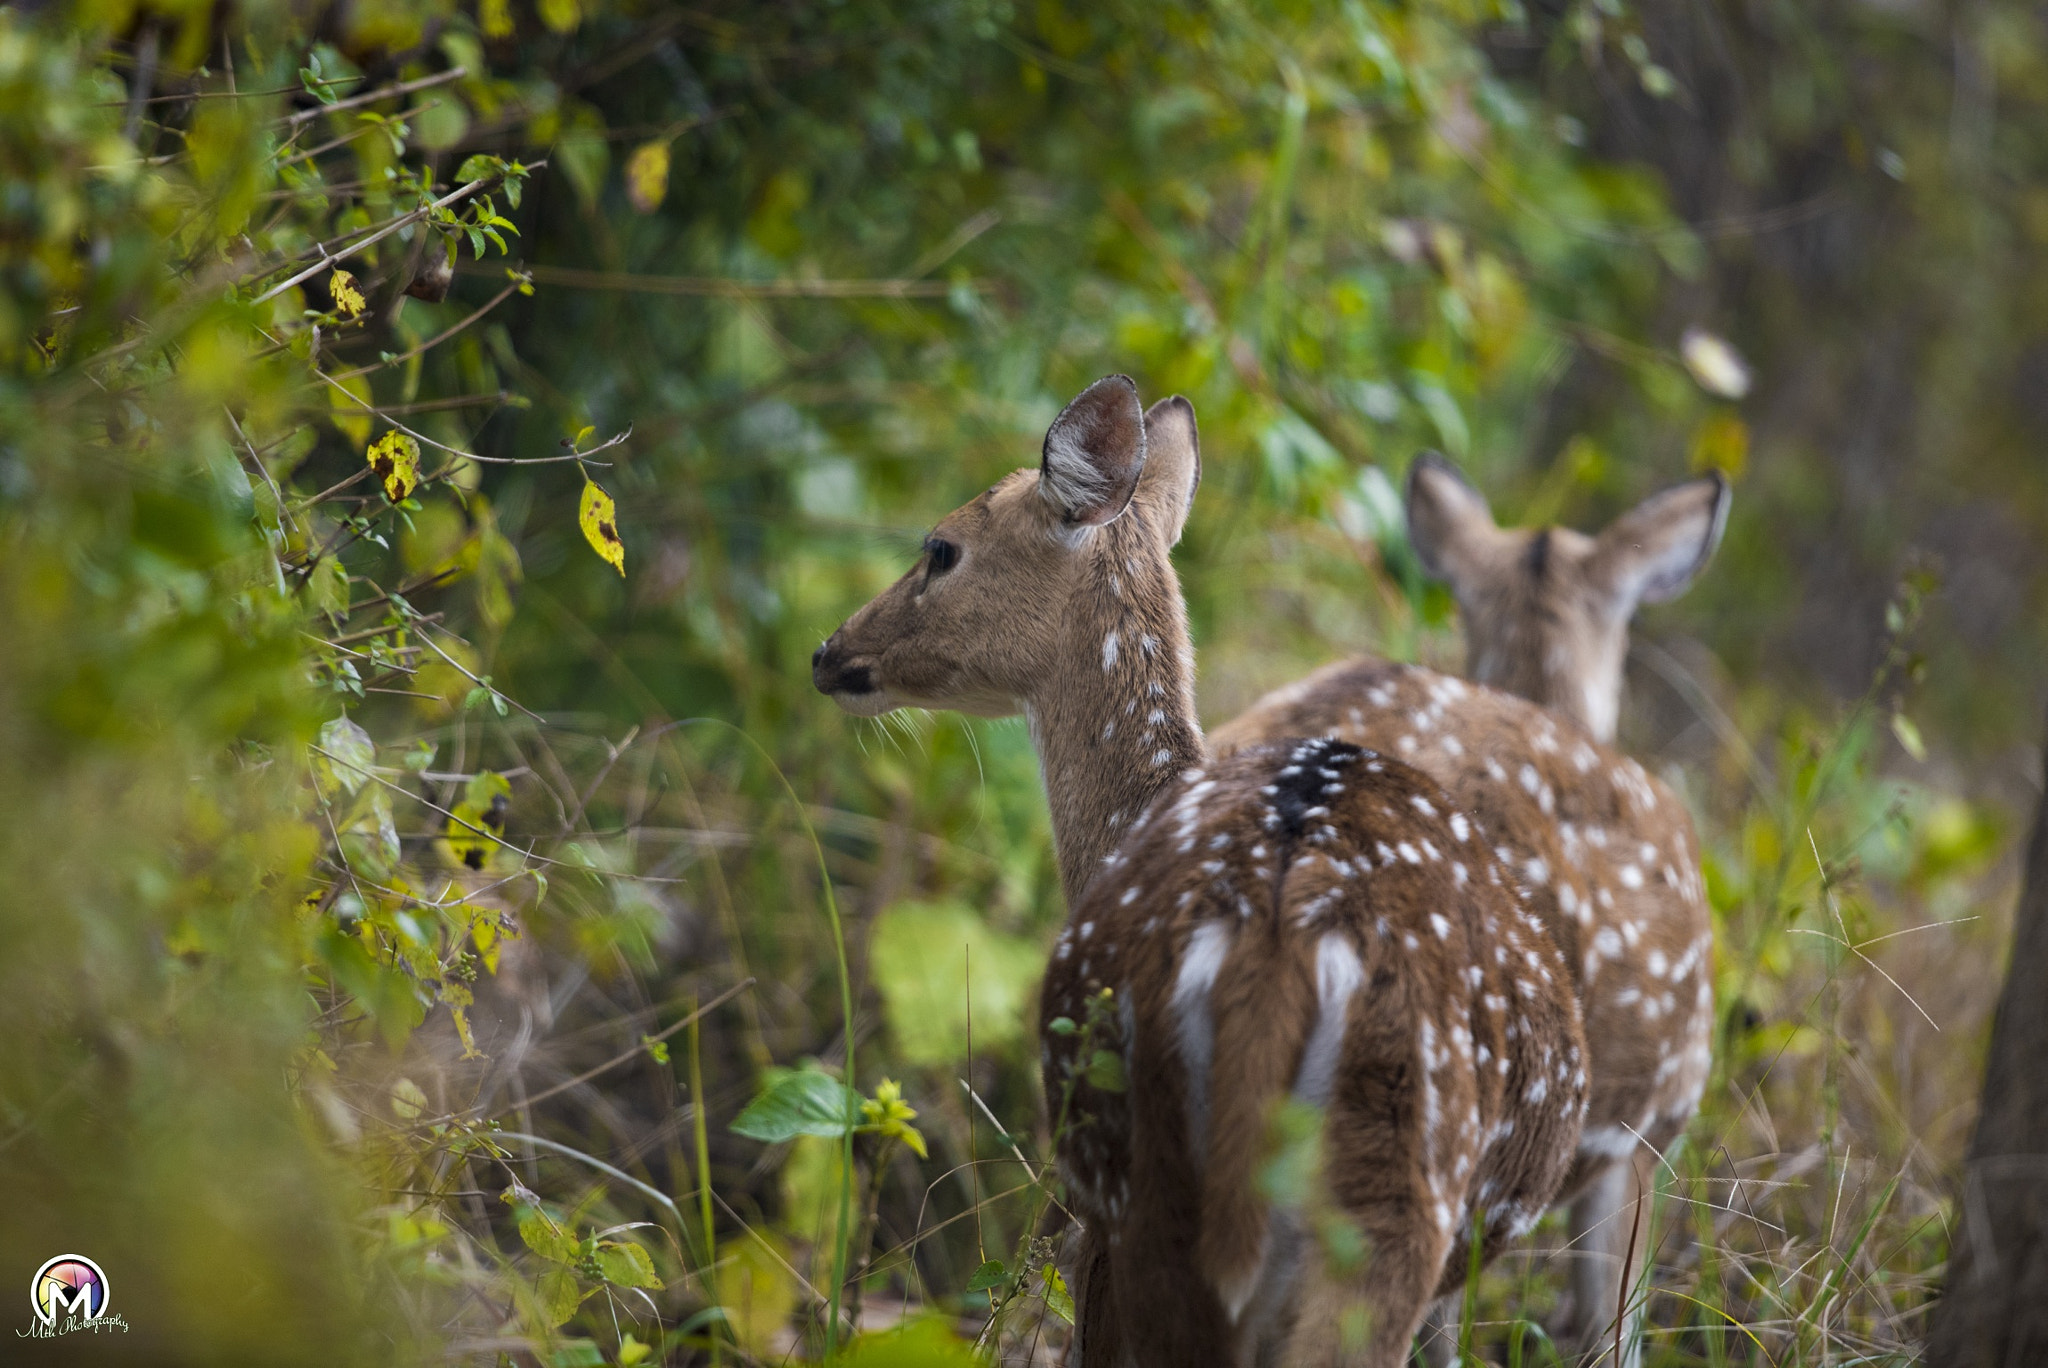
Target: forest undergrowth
pixel 524 957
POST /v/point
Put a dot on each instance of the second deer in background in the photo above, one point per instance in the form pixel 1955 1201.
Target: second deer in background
pixel 1606 853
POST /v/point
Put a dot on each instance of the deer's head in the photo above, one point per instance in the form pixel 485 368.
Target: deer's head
pixel 1042 585
pixel 1546 610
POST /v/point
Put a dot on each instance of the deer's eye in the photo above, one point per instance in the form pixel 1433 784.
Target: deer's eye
pixel 941 555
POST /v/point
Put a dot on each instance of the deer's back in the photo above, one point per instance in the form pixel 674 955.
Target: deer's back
pixel 1605 853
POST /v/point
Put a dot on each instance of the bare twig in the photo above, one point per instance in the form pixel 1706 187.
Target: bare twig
pixel 327 259
pixel 719 287
pixel 381 93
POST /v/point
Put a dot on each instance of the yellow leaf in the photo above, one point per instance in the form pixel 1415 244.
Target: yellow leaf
pixel 395 457
pixel 886 1114
pixel 494 17
pixel 647 175
pixel 599 519
pixel 1721 443
pixel 347 297
pixel 560 15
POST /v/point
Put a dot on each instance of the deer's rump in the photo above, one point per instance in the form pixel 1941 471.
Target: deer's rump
pixel 1303 950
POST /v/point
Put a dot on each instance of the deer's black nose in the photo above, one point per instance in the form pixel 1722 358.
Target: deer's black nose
pixel 831 674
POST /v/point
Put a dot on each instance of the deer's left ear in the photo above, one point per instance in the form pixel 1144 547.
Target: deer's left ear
pixel 1654 550
pixel 1094 453
pixel 1173 464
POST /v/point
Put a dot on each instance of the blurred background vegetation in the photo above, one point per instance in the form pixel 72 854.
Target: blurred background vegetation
pixel 400 903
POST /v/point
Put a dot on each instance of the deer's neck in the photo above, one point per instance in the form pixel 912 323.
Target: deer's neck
pixel 1115 722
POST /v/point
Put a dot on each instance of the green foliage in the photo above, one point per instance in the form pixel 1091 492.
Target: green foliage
pixel 795 1102
pixel 353 861
pixel 929 961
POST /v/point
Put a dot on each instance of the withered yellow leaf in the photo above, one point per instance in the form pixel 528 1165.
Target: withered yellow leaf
pixel 348 297
pixel 599 518
pixel 647 175
pixel 395 457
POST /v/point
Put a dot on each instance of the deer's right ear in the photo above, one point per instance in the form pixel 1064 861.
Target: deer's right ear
pixel 1653 551
pixel 1448 520
pixel 1173 463
pixel 1094 453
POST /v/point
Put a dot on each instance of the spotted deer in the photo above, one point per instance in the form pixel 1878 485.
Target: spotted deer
pixel 1604 852
pixel 1302 929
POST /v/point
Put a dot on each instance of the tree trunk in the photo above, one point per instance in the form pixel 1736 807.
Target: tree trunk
pixel 1993 1313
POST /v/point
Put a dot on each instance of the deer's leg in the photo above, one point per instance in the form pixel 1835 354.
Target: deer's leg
pixel 1610 1215
pixel 1096 1343
pixel 1367 1317
pixel 1436 1345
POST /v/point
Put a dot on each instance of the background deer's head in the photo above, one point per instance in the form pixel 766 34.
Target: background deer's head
pixel 1546 610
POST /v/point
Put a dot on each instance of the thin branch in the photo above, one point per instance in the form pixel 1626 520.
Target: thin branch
pixel 720 287
pixel 422 438
pixel 348 138
pixel 382 93
pixel 328 259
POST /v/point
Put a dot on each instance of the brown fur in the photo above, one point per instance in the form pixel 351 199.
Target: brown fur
pixel 1605 853
pixel 1603 850
pixel 1547 609
pixel 1453 1089
pixel 1358 951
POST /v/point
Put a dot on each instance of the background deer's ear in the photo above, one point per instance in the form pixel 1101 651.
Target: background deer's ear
pixel 1653 551
pixel 1173 464
pixel 1094 453
pixel 1449 524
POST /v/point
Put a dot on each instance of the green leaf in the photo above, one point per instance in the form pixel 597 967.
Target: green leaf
pixel 559 1295
pixel 624 1264
pixel 407 1101
pixel 1106 1071
pixel 656 1048
pixel 353 753
pixel 546 1238
pixel 928 960
pixel 795 1102
pixel 926 1342
pixel 990 1274
pixel 577 1353
pixel 631 1351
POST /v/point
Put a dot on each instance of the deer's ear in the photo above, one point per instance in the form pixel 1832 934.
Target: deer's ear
pixel 1094 452
pixel 1653 551
pixel 1173 463
pixel 1449 524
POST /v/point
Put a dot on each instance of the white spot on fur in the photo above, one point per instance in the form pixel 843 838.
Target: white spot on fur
pixel 1338 976
pixel 1195 1027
